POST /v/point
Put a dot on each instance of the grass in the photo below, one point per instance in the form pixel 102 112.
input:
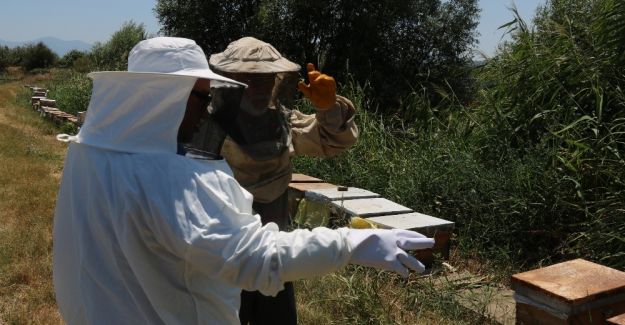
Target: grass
pixel 30 166
pixel 71 90
pixel 358 295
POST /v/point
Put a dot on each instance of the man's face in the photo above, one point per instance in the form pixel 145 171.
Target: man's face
pixel 196 111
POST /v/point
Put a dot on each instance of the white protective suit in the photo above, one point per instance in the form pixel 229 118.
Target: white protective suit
pixel 145 236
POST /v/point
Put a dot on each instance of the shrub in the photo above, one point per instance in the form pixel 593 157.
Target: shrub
pixel 37 56
pixel 113 55
pixel 558 89
pixel 71 90
pixel 68 60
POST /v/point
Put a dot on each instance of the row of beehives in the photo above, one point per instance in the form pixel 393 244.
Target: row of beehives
pixel 48 109
pixel 573 292
pixel 313 202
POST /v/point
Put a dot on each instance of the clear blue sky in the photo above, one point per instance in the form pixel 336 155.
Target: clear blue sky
pixel 92 21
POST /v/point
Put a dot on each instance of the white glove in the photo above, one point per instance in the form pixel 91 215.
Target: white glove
pixel 384 249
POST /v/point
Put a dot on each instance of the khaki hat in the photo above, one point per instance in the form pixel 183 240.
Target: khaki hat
pixel 249 55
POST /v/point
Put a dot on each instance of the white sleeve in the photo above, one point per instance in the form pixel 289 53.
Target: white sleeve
pixel 207 221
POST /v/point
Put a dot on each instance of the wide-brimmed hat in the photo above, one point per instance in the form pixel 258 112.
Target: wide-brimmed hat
pixel 169 56
pixel 250 55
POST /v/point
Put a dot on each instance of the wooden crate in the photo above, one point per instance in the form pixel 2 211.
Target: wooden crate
pixel 573 292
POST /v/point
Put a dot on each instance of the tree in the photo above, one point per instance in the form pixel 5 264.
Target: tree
pixel 38 56
pixel 5 57
pixel 67 61
pixel 212 24
pixel 113 55
pixel 396 45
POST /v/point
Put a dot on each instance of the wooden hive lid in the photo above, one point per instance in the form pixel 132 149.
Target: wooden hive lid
pixel 334 193
pixel 370 207
pixel 303 187
pixel 574 282
pixel 301 178
pixel 413 221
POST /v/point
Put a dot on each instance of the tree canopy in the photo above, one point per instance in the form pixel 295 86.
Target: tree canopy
pixel 397 46
pixel 113 55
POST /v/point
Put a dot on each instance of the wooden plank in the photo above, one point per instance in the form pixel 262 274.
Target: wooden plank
pixel 301 178
pixel 413 221
pixel 370 207
pixel 303 187
pixel 333 194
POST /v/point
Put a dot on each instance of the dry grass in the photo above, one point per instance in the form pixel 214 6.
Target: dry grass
pixel 358 295
pixel 30 164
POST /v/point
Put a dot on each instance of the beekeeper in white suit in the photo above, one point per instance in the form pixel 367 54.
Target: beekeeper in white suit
pixel 145 233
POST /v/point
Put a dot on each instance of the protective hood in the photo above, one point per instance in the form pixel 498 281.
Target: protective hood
pixel 137 113
pixel 140 110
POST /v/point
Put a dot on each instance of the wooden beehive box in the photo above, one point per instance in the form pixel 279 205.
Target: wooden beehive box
pixel 47 102
pixel 80 117
pixel 573 292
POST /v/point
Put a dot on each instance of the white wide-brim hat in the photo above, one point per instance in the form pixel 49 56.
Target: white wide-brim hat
pixel 250 55
pixel 169 56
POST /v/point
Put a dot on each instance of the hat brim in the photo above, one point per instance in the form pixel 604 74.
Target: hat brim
pixel 201 74
pixel 220 62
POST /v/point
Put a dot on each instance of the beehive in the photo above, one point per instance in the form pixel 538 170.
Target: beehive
pixel 573 292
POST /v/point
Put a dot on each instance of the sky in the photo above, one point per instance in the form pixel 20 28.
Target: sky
pixel 96 20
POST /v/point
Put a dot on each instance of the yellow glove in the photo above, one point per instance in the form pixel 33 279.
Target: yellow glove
pixel 321 90
pixel 360 223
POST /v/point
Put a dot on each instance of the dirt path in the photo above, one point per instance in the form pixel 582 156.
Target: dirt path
pixel 30 164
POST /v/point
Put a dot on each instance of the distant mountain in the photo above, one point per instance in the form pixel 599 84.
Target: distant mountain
pixel 58 46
